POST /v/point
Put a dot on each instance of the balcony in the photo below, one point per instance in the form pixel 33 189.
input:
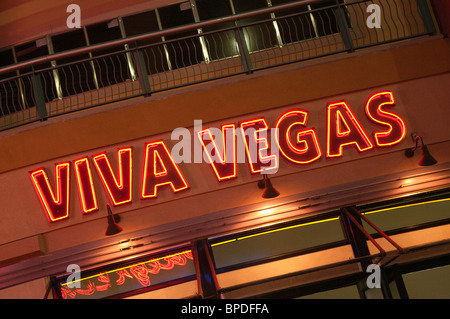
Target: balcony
pixel 142 64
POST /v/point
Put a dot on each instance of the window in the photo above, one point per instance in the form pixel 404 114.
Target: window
pixel 110 68
pixel 301 24
pixel 184 48
pixel 264 245
pixel 155 54
pixel 13 96
pixel 104 32
pixel 258 36
pixel 414 213
pixel 6 58
pixel 69 41
pixel 296 27
pixel 31 50
pixel 74 78
pixel 432 283
pixel 219 44
pixel 313 258
pixel 126 279
pixel 141 23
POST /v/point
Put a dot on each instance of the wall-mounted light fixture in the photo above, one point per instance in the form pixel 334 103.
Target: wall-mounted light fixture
pixel 113 228
pixel 269 190
pixel 426 159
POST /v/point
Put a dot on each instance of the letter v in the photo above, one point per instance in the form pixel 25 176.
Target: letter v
pixel 119 189
pixel 223 161
pixel 56 206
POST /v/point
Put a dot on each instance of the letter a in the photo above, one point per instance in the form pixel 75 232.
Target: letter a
pixel 343 128
pixel 73 280
pixel 74 19
pixel 159 170
pixel 374 279
pixel 374 20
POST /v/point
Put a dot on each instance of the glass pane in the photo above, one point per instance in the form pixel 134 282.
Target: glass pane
pixel 349 292
pixel 212 9
pixel 32 50
pixel 9 90
pixel 128 278
pixel 409 215
pixel 154 55
pixel 325 19
pixel 246 5
pixel 186 51
pixel 69 40
pixel 103 32
pixel 258 36
pixel 276 242
pixel 220 44
pixel 144 22
pixel 428 284
pixel 110 69
pixel 296 27
pixel 6 58
pixel 78 77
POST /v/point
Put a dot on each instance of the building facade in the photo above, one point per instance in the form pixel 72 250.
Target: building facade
pixel 225 149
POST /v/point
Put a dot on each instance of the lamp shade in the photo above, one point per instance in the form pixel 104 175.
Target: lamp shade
pixel 427 159
pixel 113 228
pixel 269 191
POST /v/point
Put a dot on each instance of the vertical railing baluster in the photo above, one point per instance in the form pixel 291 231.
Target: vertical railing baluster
pixel 426 16
pixel 343 26
pixel 243 50
pixel 142 72
pixel 38 92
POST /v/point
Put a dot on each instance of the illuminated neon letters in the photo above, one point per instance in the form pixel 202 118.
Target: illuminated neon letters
pixel 396 128
pixel 292 135
pixel 304 147
pixel 119 189
pixel 160 169
pixel 254 133
pixel 343 128
pixel 85 184
pixel 222 159
pixel 55 203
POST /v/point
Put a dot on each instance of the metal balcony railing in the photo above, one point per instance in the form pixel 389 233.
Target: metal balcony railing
pixel 37 89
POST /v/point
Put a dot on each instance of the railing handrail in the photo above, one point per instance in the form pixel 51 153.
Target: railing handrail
pixel 145 36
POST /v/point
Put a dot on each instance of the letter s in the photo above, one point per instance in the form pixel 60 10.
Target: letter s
pixel 396 128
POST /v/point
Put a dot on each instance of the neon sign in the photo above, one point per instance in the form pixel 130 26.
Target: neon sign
pixel 144 274
pixel 396 128
pixel 343 128
pixel 262 162
pixel 56 206
pixel 297 143
pixel 119 189
pixel 223 167
pixel 85 185
pixel 304 148
pixel 159 170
